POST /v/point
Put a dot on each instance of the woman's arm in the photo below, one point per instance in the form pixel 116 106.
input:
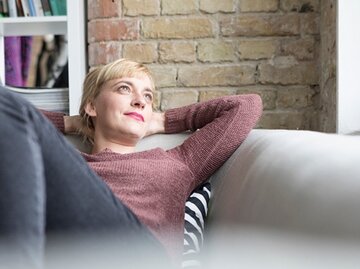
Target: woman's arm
pixel 65 124
pixel 72 124
pixel 219 126
pixel 57 118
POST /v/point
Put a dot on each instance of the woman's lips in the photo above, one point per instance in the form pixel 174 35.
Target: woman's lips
pixel 135 116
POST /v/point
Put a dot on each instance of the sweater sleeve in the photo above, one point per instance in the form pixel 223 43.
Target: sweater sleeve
pixel 219 126
pixel 57 118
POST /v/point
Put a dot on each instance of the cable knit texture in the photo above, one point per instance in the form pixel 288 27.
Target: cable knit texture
pixel 155 184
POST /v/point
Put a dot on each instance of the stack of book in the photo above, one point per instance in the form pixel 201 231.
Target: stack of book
pixel 51 99
pixel 32 8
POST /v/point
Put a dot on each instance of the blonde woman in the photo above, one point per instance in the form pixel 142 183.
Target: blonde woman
pixel 115 188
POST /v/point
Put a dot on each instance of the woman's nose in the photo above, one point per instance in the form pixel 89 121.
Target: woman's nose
pixel 138 101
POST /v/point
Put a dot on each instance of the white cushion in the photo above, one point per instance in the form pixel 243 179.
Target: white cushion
pixel 298 180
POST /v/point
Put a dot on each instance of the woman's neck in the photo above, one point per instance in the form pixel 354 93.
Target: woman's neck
pixel 118 149
pixel 115 146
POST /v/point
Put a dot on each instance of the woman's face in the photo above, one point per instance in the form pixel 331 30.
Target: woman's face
pixel 123 109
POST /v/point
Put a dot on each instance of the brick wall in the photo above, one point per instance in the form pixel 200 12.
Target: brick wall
pixel 201 49
pixel 327 108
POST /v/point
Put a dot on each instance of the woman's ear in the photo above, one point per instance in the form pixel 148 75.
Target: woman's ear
pixel 90 109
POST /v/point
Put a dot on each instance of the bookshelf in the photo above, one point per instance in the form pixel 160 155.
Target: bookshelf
pixel 72 25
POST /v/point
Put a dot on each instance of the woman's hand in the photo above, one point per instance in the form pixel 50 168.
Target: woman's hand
pixel 157 124
pixel 72 124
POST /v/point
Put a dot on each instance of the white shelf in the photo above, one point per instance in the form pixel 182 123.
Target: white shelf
pixel 37 90
pixel 33 26
pixel 72 25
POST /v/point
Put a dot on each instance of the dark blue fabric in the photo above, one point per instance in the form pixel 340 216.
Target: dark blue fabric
pixel 47 188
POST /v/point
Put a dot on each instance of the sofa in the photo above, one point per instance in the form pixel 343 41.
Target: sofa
pixel 284 199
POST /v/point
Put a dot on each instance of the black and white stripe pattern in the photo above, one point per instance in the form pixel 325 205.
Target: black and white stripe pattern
pixel 196 208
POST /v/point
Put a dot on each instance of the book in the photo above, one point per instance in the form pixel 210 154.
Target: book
pixel 19 9
pixel 1 9
pixel 4 8
pixel 36 48
pixel 46 7
pixel 25 7
pixel 58 7
pixel 31 8
pixel 38 8
pixel 12 8
pixel 51 99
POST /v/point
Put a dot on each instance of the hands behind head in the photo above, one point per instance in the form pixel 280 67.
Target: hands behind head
pixel 157 124
pixel 72 124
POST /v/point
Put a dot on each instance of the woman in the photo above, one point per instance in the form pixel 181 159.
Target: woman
pixel 116 112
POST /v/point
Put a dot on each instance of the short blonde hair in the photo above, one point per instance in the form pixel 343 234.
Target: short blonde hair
pixel 94 81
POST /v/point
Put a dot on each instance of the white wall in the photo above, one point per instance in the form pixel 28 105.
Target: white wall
pixel 348 110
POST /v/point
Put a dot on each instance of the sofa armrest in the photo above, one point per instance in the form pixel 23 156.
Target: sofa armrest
pixel 293 180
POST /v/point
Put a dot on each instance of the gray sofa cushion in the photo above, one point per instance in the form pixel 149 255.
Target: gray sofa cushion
pixel 295 180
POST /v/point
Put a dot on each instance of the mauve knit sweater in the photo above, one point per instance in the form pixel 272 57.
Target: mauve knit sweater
pixel 156 183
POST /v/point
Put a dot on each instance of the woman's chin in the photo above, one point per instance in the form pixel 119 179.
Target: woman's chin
pixel 137 136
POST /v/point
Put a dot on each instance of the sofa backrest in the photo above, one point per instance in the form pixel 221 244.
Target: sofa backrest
pixel 165 141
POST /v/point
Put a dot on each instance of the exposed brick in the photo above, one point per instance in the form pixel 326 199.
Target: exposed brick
pixel 285 72
pixel 256 49
pixel 141 7
pixel 328 55
pixel 141 52
pixel 221 47
pixel 177 28
pixel 157 101
pixel 268 95
pixel 218 51
pixel 328 14
pixel 310 23
pixel 177 52
pixel 328 111
pixel 204 75
pixel 259 5
pixel 264 25
pixel 176 7
pixel 284 120
pixel 113 29
pixel 214 6
pixel 302 49
pixel 104 52
pixel 177 98
pixel 214 93
pixel 164 76
pixel 328 51
pixel 295 97
pixel 300 5
pixel 103 9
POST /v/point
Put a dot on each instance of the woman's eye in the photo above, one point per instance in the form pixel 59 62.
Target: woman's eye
pixel 148 97
pixel 124 89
